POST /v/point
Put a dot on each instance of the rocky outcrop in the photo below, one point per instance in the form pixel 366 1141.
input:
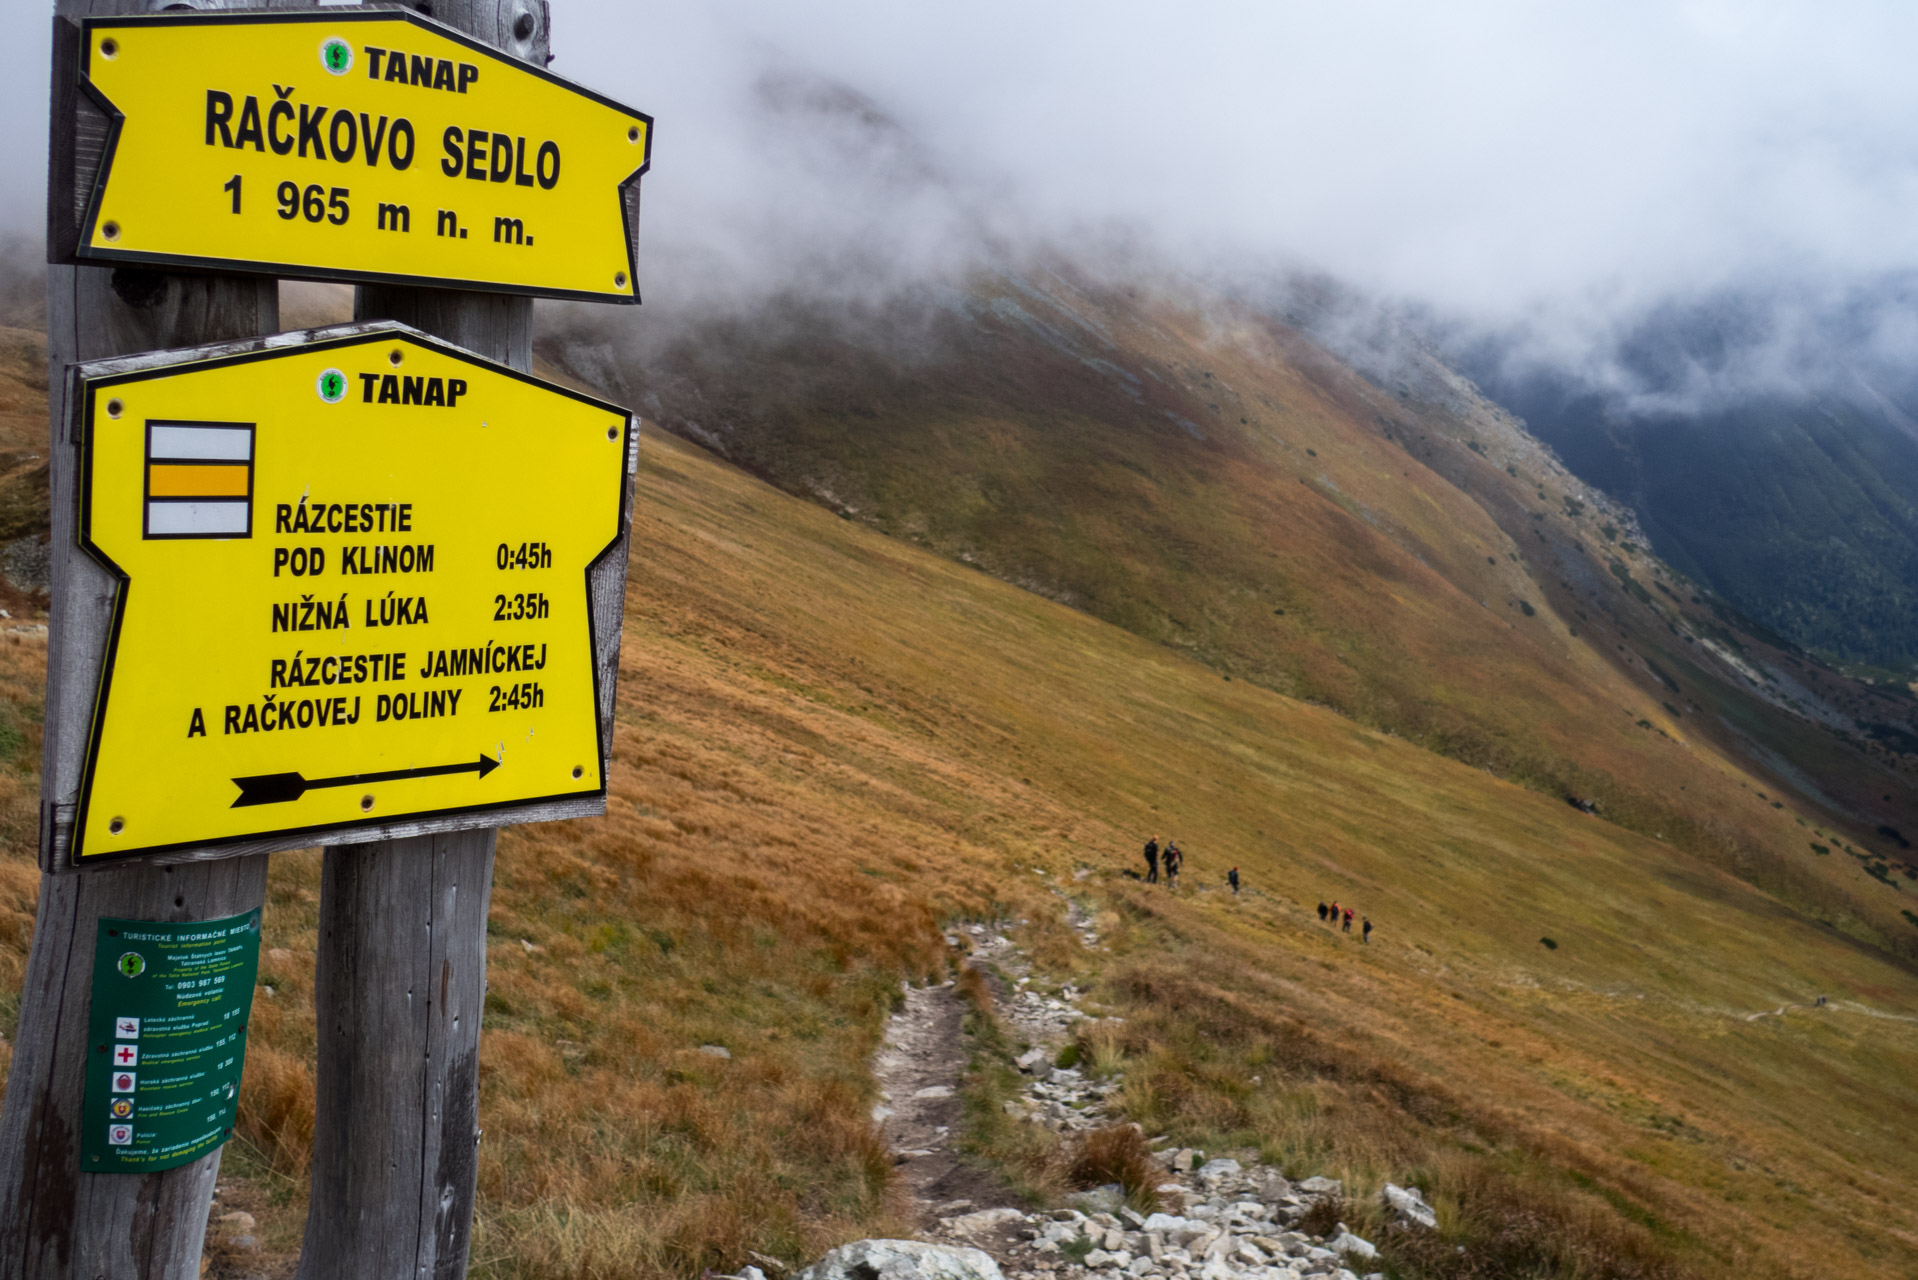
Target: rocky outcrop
pixel 1410 1206
pixel 902 1260
pixel 1223 1219
pixel 1233 1223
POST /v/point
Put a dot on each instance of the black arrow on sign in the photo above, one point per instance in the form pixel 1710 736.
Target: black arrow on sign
pixel 278 788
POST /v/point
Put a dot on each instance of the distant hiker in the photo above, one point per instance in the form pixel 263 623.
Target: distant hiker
pixel 1322 910
pixel 1348 920
pixel 1174 863
pixel 1334 917
pixel 1152 860
pixel 1232 878
pixel 1368 932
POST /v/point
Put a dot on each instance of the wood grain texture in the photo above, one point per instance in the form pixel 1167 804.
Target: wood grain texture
pixel 401 978
pixel 57 1222
pixel 399 987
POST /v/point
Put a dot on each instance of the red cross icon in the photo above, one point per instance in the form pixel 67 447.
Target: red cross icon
pixel 126 1055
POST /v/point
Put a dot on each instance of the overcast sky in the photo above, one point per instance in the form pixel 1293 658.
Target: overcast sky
pixel 1495 159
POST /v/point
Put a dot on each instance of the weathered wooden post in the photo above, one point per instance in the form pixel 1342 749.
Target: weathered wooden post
pixel 57 1220
pixel 400 978
pixel 223 679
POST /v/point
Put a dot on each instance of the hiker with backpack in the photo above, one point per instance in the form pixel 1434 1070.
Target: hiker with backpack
pixel 1348 920
pixel 1232 878
pixel 1152 860
pixel 1174 860
pixel 1368 931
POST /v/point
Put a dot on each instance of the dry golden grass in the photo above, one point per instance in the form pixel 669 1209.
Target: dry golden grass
pixel 1117 1153
pixel 830 744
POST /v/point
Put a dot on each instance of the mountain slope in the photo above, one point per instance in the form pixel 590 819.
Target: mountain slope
pixel 1800 504
pixel 1390 545
pixel 830 741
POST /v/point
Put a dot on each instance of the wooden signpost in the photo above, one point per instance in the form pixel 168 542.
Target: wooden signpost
pixel 463 526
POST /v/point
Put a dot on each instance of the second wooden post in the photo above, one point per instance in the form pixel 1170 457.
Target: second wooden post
pixel 401 970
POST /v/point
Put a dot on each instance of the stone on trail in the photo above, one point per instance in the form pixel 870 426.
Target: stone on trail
pixel 934 1091
pixel 1036 1061
pixel 902 1260
pixel 1164 1222
pixel 1106 1199
pixel 715 1051
pixel 751 1273
pixel 1347 1245
pixel 983 1220
pixel 1321 1186
pixel 1410 1205
pixel 1220 1168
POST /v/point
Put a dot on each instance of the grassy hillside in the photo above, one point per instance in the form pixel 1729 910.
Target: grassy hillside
pixel 1394 547
pixel 831 742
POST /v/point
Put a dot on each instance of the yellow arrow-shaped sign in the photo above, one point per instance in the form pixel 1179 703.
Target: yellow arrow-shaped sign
pixel 373 146
pixel 355 588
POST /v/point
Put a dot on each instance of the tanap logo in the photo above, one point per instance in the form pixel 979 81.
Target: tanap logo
pixel 336 55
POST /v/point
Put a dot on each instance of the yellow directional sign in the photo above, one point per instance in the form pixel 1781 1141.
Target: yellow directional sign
pixel 353 590
pixel 368 145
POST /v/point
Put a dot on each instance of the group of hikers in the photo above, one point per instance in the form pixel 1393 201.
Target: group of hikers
pixel 1173 858
pixel 1342 917
pixel 1171 855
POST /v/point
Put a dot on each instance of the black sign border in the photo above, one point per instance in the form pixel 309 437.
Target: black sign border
pixel 83 525
pixel 83 251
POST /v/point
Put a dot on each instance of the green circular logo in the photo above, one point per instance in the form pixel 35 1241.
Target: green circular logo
pixel 132 964
pixel 336 55
pixel 331 386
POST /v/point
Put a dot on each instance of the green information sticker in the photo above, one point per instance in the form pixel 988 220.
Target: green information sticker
pixel 168 1027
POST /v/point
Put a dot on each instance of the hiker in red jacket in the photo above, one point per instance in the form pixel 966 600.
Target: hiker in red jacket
pixel 1348 920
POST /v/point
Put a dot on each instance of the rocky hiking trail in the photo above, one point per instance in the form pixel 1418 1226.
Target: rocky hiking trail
pixel 1220 1219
